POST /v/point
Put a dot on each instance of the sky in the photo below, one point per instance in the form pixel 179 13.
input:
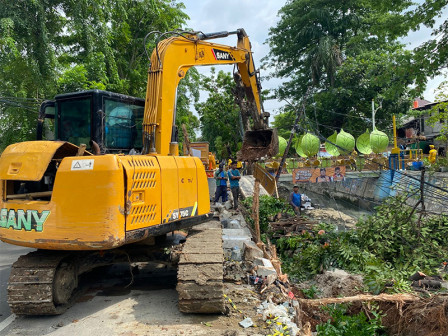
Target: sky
pixel 256 17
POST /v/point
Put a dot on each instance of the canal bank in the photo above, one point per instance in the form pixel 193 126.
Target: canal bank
pixel 365 190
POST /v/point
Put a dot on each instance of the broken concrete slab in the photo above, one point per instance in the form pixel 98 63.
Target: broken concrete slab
pixel 230 242
pixel 263 271
pixel 263 262
pixel 235 224
pixel 251 251
pixel 243 232
pixel 247 184
pixel 246 323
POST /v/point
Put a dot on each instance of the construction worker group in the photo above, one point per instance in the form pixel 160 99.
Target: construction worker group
pixel 231 173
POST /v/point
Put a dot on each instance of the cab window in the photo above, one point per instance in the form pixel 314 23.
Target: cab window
pixel 123 124
pixel 74 125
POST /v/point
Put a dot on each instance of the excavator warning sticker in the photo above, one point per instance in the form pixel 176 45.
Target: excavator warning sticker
pixel 23 220
pixel 222 55
pixel 82 164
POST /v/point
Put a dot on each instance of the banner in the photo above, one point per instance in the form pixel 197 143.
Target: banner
pixel 318 175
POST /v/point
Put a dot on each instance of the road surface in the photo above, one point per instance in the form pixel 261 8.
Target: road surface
pixel 110 306
pixel 8 255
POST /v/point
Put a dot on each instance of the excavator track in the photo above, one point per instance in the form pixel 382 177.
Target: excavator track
pixel 42 283
pixel 200 270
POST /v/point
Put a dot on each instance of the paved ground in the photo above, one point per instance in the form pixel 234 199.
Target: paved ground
pixel 8 255
pixel 109 307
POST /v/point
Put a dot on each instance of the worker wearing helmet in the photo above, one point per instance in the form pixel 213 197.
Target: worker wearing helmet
pixel 211 161
pixel 432 154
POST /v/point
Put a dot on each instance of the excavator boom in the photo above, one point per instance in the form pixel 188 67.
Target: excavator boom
pixel 170 62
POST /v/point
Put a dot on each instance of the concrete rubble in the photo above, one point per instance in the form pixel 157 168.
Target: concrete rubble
pixel 246 323
pixel 245 262
pixel 280 316
pixel 251 251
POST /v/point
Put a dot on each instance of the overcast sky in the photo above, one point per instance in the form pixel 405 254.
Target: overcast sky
pixel 256 17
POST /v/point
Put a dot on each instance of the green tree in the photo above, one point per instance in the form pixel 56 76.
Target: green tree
pixel 219 115
pixel 56 46
pixel 347 53
pixel 187 96
pixel 432 55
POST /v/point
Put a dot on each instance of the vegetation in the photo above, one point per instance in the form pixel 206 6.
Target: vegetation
pixel 386 248
pixel 346 54
pixel 56 46
pixel 219 114
pixel 342 324
pixel 269 208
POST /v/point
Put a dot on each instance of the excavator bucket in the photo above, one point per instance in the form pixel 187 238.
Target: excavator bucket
pixel 258 144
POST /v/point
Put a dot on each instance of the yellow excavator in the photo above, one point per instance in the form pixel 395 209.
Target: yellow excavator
pixel 84 206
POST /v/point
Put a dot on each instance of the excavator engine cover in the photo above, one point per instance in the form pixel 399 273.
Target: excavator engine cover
pixel 258 144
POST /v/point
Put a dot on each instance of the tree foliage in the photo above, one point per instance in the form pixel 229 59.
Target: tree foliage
pixel 56 46
pixel 187 96
pixel 347 53
pixel 219 115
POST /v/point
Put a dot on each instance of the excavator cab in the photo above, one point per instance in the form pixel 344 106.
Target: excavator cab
pixel 111 120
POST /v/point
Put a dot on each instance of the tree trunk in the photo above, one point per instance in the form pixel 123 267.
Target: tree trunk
pixel 256 210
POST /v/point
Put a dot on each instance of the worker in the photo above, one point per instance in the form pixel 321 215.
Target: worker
pixel 432 154
pixel 295 200
pixel 211 161
pixel 234 178
pixel 221 184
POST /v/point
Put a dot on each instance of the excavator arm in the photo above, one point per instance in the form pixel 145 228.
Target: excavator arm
pixel 171 60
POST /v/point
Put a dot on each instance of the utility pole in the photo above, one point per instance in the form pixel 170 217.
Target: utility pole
pixel 373 114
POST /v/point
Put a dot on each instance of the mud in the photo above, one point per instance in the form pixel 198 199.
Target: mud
pixel 329 215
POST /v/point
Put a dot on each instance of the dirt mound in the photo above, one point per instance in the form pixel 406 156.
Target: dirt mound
pixel 338 283
pixel 332 216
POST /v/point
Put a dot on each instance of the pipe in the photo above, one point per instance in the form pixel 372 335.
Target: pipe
pixel 95 148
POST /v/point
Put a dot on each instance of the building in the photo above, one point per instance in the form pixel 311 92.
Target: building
pixel 416 132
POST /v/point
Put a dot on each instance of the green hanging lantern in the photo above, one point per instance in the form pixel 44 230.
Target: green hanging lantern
pixel 345 142
pixel 378 141
pixel 297 147
pixel 329 147
pixel 363 143
pixel 282 143
pixel 310 144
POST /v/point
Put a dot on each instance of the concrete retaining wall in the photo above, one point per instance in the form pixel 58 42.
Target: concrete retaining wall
pixel 368 189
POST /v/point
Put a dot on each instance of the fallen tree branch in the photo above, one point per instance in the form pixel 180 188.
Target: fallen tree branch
pixel 399 298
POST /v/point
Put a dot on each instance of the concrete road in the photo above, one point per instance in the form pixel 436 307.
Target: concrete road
pixel 8 255
pixel 111 306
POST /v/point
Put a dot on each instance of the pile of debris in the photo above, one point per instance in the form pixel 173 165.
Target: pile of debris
pixel 284 308
pixel 287 226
